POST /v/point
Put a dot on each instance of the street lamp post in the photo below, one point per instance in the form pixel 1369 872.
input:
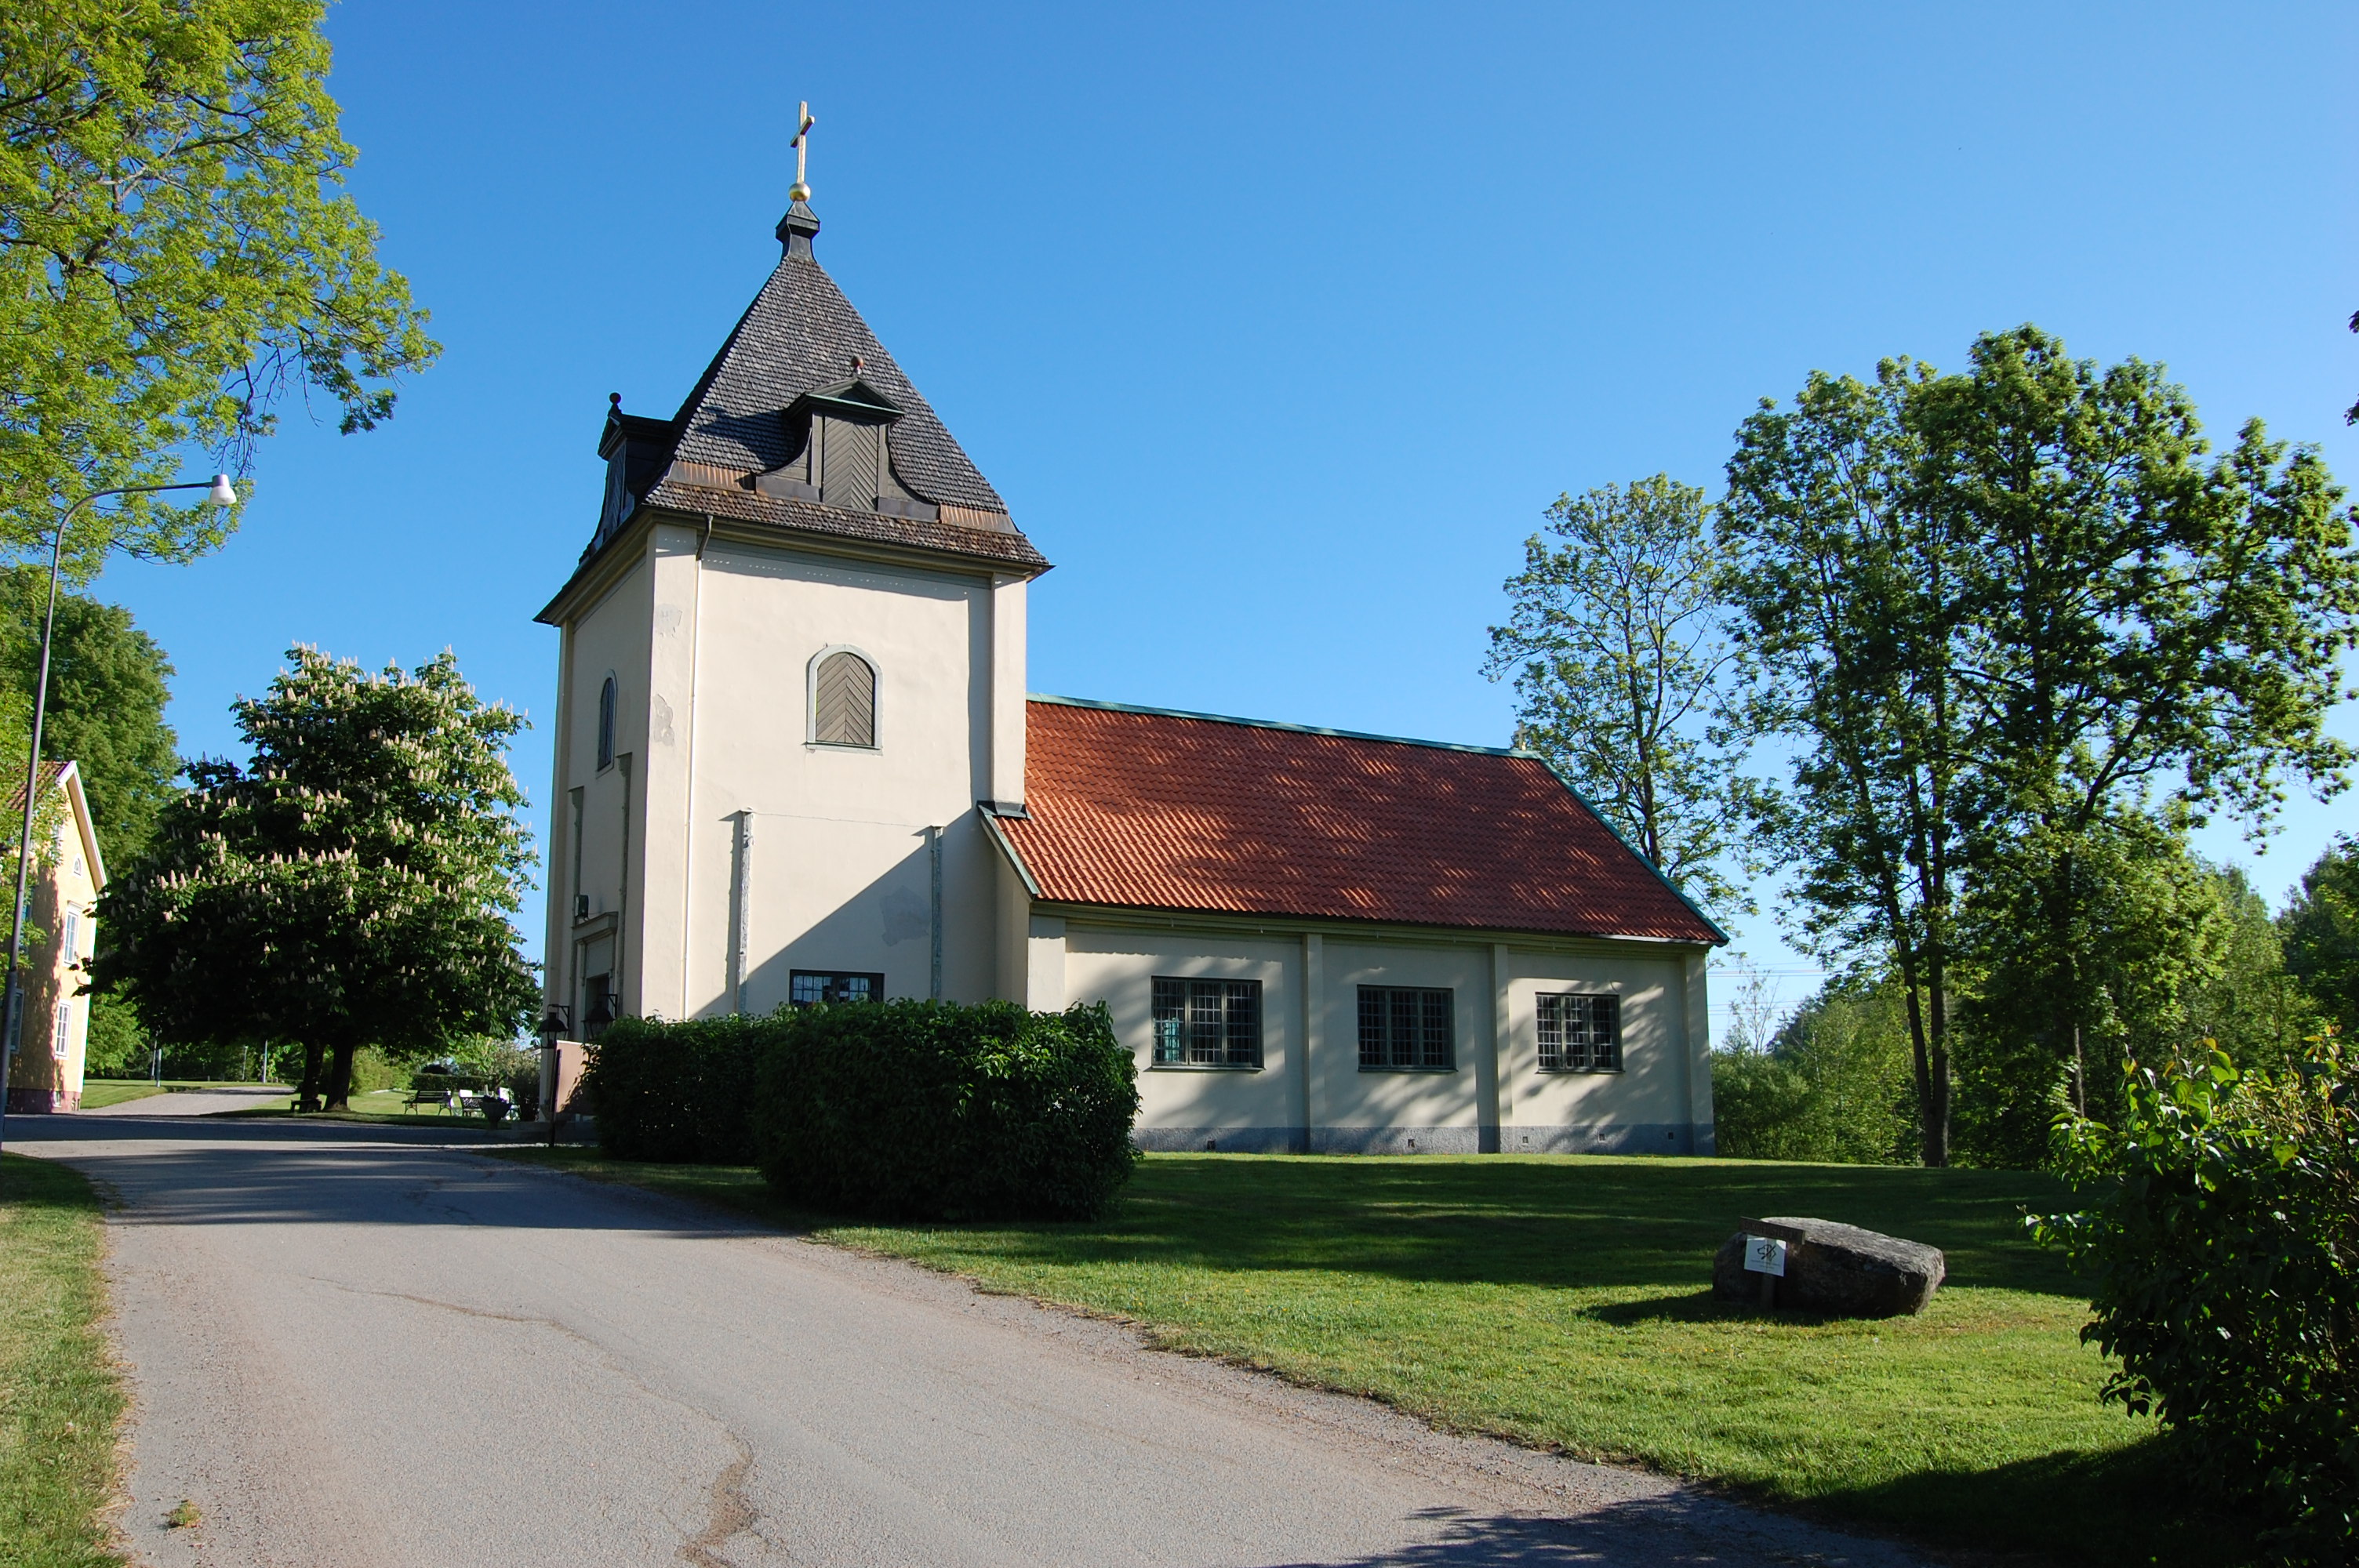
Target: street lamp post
pixel 553 1025
pixel 219 492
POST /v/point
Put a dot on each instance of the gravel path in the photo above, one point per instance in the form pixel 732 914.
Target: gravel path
pixel 366 1347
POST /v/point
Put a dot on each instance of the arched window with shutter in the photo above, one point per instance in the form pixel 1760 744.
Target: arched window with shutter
pixel 842 698
pixel 606 724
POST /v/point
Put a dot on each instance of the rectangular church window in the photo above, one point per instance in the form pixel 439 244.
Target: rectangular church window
pixel 1207 1024
pixel 805 986
pixel 1581 1033
pixel 1407 1029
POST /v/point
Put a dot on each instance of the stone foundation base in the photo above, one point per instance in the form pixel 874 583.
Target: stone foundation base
pixel 43 1102
pixel 1601 1137
pixel 1219 1140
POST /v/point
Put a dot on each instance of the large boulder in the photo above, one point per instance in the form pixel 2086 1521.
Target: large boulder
pixel 1838 1270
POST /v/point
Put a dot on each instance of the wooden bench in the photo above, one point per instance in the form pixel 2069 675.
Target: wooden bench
pixel 437 1098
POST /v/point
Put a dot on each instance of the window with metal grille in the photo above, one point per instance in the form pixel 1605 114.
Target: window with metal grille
pixel 844 701
pixel 1207 1024
pixel 805 986
pixel 1581 1033
pixel 1407 1028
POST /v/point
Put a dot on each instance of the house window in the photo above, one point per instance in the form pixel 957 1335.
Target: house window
pixel 1406 1028
pixel 1581 1033
pixel 606 724
pixel 1207 1024
pixel 73 937
pixel 805 986
pixel 64 1041
pixel 843 700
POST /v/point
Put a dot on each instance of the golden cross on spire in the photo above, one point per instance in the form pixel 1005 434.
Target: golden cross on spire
pixel 800 190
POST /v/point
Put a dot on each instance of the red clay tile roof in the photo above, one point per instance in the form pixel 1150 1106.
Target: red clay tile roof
pixel 1154 810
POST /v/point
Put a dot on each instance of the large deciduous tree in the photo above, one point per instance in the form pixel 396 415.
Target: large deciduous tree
pixel 349 886
pixel 175 253
pixel 2014 616
pixel 107 692
pixel 1614 639
pixel 1853 594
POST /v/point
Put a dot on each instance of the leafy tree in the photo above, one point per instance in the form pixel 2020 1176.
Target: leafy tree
pixel 2251 1002
pixel 175 254
pixel 2320 932
pixel 107 694
pixel 2004 611
pixel 350 886
pixel 1614 641
pixel 1853 595
pixel 1833 1085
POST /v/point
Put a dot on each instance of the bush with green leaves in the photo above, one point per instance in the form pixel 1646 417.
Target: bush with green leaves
pixel 678 1092
pixel 914 1110
pixel 2222 1228
pixel 945 1111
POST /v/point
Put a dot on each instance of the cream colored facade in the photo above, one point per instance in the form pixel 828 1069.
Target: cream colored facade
pixel 1311 1092
pixel 723 849
pixel 47 1072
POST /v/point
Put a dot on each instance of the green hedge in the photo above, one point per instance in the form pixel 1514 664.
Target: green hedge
pixel 678 1092
pixel 911 1110
pixel 939 1110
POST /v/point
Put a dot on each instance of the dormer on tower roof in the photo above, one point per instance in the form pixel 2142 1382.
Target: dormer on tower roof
pixel 804 421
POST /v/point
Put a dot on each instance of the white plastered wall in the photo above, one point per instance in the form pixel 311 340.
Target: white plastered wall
pixel 1312 1091
pixel 827 853
pixel 612 636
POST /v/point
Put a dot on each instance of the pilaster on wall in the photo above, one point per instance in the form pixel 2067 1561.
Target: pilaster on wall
pixel 557 859
pixel 1494 1071
pixel 1696 1017
pixel 1314 1029
pixel 1044 966
pixel 666 775
pixel 1007 676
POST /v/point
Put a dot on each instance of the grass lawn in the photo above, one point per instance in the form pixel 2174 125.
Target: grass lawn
pixel 100 1092
pixel 58 1396
pixel 1564 1302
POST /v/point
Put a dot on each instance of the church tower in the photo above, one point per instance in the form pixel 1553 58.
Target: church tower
pixel 791 685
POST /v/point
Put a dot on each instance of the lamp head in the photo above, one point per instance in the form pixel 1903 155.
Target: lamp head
pixel 223 492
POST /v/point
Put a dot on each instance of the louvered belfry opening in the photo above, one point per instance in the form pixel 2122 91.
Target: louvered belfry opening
pixel 844 702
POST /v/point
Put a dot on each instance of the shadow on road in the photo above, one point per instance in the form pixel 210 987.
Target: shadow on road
pixel 1664 1531
pixel 233 1170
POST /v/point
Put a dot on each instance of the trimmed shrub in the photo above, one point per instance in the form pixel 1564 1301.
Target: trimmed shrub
pixel 678 1092
pixel 2222 1228
pixel 940 1110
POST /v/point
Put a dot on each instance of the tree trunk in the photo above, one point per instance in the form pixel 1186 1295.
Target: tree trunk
pixel 340 1076
pixel 307 1092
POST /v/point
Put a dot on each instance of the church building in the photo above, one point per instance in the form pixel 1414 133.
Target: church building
pixel 797 762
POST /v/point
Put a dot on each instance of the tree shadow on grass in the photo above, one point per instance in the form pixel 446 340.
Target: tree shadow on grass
pixel 1562 1223
pixel 2134 1505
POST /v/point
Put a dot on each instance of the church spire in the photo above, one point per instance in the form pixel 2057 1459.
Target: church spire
pixel 797 229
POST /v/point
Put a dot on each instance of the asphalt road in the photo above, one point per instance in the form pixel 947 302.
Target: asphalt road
pixel 367 1348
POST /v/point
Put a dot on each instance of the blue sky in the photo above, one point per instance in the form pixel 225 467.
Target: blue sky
pixel 1278 326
